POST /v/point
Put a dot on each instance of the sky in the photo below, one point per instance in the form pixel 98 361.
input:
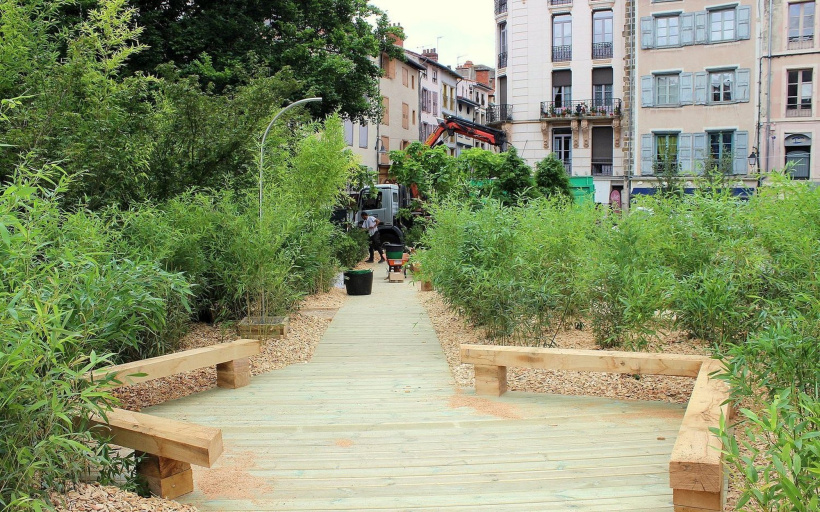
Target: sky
pixel 461 29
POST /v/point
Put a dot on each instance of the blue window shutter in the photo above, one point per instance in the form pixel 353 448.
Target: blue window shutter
pixel 685 153
pixel 740 150
pixel 647 32
pixel 742 78
pixel 686 88
pixel 646 154
pixel 744 22
pixel 701 84
pixel 647 90
pixel 701 35
pixel 687 29
pixel 699 152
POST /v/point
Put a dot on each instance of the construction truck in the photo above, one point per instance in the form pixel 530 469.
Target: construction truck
pixel 388 199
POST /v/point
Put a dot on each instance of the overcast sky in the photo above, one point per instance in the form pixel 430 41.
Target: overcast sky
pixel 465 27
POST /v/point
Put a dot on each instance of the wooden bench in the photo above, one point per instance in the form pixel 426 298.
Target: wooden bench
pixel 232 361
pixel 170 446
pixel 696 470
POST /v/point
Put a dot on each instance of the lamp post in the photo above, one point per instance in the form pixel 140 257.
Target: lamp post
pixel 753 159
pixel 262 151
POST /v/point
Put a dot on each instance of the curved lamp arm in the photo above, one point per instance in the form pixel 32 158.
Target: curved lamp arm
pixel 262 151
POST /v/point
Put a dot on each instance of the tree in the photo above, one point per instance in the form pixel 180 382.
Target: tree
pixel 514 180
pixel 330 44
pixel 551 177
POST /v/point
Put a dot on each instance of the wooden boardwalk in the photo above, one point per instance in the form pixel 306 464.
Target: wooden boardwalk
pixel 374 422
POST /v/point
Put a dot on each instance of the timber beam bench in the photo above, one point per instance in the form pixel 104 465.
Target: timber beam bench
pixel 171 446
pixel 696 471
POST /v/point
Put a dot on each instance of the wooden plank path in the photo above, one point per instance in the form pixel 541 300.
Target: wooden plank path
pixel 374 422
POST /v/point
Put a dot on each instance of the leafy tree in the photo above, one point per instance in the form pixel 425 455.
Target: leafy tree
pixel 551 177
pixel 330 44
pixel 431 170
pixel 514 179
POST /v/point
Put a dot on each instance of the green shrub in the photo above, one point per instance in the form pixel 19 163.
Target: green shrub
pixel 350 247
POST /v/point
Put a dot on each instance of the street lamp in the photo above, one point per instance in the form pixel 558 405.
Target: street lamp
pixel 262 151
pixel 753 161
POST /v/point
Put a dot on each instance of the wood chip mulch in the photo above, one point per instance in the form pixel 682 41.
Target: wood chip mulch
pixel 84 497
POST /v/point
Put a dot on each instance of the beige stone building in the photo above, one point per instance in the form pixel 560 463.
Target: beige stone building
pixel 790 121
pixel 560 82
pixel 695 73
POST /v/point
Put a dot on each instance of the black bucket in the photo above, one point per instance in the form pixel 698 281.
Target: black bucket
pixel 359 282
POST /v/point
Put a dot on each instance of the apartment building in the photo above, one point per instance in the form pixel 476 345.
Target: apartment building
pixel 695 66
pixel 790 121
pixel 560 86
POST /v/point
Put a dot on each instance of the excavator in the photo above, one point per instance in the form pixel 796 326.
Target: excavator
pixel 452 125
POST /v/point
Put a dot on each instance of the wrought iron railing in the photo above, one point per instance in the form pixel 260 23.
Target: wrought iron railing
pixel 499 113
pixel 602 50
pixel 500 6
pixel 601 167
pixel 562 53
pixel 567 166
pixel 801 43
pixel 581 108
pixel 798 112
pixel 560 2
pixel 502 60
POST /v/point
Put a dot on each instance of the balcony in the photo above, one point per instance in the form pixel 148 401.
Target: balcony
pixel 581 109
pixel 499 114
pixel 502 60
pixel 567 166
pixel 602 167
pixel 500 6
pixel 562 53
pixel 801 43
pixel 560 2
pixel 602 50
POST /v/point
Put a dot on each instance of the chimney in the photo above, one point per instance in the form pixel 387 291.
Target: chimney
pixel 396 39
pixel 467 64
pixel 430 54
pixel 482 76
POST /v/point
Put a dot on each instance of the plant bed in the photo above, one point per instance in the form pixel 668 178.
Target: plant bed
pixel 263 326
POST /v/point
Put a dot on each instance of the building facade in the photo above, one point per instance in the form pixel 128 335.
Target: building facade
pixel 560 86
pixel 695 70
pixel 790 121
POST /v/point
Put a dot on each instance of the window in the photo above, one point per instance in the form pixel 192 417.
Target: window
pixel 602 35
pixel 362 135
pixel 445 97
pixel 798 99
pixel 722 25
pixel 425 100
pixel 435 76
pixel 801 25
pixel 405 77
pixel 562 145
pixel 372 202
pixel 721 86
pixel 386 111
pixel 666 153
pixel 413 82
pixel 413 117
pixel 667 89
pixel 721 150
pixel 562 88
pixel 348 132
pixel 562 38
pixel 667 31
pixel 602 79
pixel 405 116
pixel 435 104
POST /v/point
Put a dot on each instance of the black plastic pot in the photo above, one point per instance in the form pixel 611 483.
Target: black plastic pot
pixel 359 282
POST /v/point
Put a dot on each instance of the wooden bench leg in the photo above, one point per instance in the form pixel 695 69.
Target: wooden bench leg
pixel 697 501
pixel 234 374
pixel 490 380
pixel 167 478
pixel 426 286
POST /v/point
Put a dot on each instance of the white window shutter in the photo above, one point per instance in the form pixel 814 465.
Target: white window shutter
pixel 701 34
pixel 744 22
pixel 685 153
pixel 686 88
pixel 646 154
pixel 742 78
pixel 687 29
pixel 647 32
pixel 699 152
pixel 701 85
pixel 647 90
pixel 740 150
